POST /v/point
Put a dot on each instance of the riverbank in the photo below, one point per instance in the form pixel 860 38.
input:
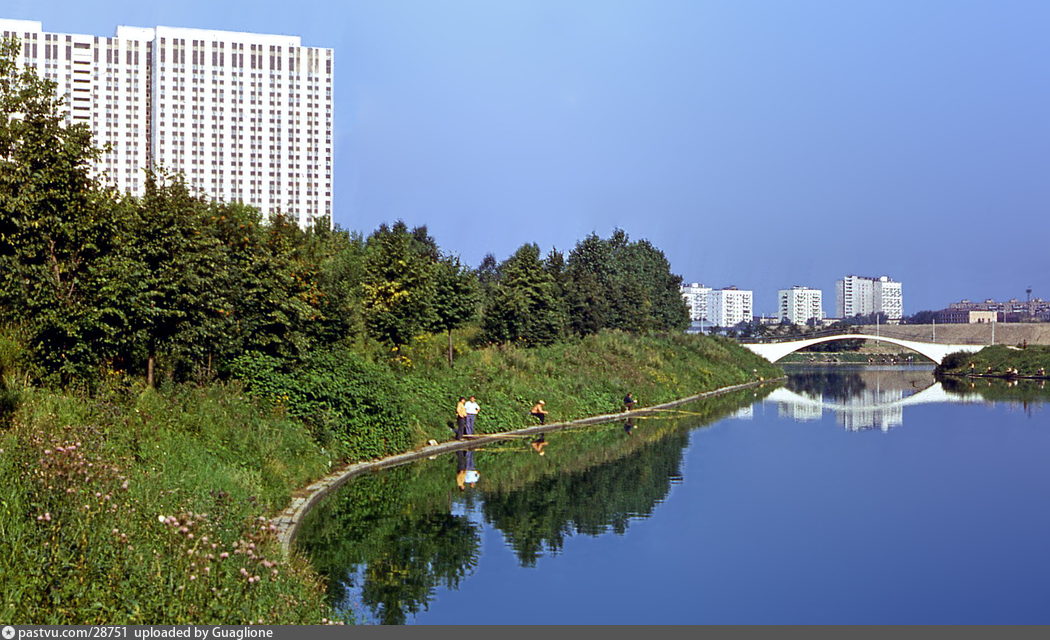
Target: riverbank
pixel 999 361
pixel 140 506
pixel 290 520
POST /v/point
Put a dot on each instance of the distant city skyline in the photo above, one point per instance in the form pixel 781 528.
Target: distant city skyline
pixel 756 143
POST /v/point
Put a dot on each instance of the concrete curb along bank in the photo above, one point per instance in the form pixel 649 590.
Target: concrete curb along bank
pixel 289 520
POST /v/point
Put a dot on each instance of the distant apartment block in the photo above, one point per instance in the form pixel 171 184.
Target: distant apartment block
pixel 245 117
pixel 799 305
pixel 695 296
pixel 858 295
pixel 730 306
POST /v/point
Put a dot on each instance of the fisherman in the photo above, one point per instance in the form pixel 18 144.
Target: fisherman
pixel 629 402
pixel 472 408
pixel 461 417
pixel 539 412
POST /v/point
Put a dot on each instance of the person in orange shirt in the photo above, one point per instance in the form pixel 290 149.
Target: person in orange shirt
pixel 461 417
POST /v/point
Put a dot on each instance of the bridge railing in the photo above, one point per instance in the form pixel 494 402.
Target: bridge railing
pixel 856 330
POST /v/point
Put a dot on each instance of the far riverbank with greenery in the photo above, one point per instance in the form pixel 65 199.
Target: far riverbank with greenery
pixel 1030 361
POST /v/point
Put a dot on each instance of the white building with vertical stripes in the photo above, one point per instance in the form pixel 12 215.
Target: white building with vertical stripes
pixel 244 117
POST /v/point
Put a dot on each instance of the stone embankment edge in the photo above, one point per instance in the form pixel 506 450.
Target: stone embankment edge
pixel 289 520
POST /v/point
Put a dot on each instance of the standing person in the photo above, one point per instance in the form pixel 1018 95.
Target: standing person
pixel 538 411
pixel 629 401
pixel 472 408
pixel 461 417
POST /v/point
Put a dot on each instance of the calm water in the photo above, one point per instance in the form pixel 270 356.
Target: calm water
pixel 849 495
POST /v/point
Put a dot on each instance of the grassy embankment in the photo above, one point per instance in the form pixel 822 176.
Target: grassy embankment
pixel 999 361
pixel 149 506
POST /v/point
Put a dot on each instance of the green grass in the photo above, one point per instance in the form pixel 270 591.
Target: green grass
pixel 999 360
pixel 577 379
pixel 88 481
pixel 140 506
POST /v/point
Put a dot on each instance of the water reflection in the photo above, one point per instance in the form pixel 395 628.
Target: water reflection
pixel 864 397
pixel 387 542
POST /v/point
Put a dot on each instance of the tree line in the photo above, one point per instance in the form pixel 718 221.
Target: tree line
pixel 93 281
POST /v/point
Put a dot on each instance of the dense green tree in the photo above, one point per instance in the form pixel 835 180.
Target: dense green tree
pixel 524 306
pixel 921 317
pixel 622 285
pixel 456 297
pixel 55 223
pixel 398 284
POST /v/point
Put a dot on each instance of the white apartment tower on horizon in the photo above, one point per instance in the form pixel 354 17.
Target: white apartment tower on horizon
pixel 798 305
pixel 857 295
pixel 695 296
pixel 729 307
pixel 244 117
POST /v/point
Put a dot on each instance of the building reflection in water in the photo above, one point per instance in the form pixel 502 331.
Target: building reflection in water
pixel 860 397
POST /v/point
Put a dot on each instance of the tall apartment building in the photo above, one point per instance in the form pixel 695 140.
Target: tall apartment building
pixel 798 305
pixel 858 295
pixel 245 117
pixel 730 306
pixel 695 296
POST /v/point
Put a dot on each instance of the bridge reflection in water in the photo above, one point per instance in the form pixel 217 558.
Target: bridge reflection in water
pixel 860 397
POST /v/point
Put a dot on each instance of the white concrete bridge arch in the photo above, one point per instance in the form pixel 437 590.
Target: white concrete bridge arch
pixel 935 351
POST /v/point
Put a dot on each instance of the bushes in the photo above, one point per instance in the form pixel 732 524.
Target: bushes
pixel 87 481
pixel 347 401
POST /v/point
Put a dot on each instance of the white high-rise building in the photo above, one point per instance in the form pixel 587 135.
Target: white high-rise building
pixel 730 306
pixel 798 305
pixel 857 295
pixel 245 117
pixel 695 296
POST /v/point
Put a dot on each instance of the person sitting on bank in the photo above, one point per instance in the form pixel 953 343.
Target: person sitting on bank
pixel 629 402
pixel 539 412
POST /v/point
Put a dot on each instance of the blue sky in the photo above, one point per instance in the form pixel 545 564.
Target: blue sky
pixel 758 143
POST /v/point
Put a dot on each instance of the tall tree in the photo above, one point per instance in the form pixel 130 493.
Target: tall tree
pixel 398 284
pixel 456 297
pixel 55 223
pixel 524 307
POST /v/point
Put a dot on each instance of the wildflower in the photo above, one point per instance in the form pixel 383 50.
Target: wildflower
pixel 224 555
pixel 163 519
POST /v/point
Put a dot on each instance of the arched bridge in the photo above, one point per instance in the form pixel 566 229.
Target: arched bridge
pixel 935 351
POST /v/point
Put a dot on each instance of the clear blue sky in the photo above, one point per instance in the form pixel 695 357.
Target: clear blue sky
pixel 761 144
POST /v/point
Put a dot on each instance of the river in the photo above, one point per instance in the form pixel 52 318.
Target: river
pixel 863 495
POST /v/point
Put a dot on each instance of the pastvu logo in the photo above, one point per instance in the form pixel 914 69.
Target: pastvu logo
pixel 8 632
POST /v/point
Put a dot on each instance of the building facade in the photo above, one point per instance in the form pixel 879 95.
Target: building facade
pixel 799 305
pixel 858 295
pixel 729 307
pixel 244 117
pixel 695 296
